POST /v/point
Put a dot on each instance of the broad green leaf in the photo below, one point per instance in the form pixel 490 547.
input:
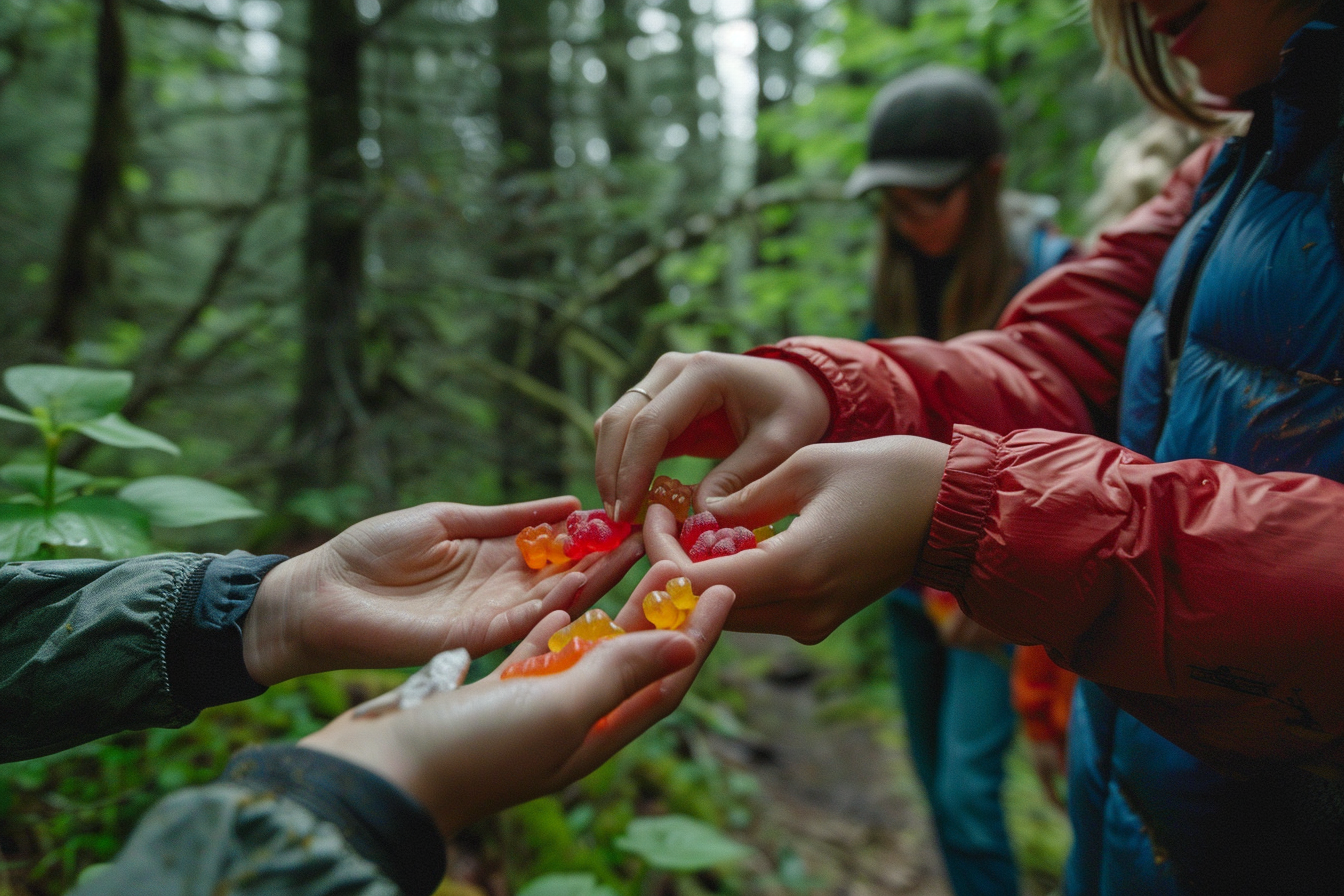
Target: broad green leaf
pixel 177 501
pixel 33 478
pixel 116 430
pixel 679 843
pixel 566 885
pixel 22 528
pixel 110 525
pixel 70 394
pixel 9 413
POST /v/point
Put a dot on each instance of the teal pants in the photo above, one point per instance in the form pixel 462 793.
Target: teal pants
pixel 960 720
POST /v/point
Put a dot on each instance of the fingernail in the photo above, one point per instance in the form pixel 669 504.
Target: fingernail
pixel 616 513
pixel 606 505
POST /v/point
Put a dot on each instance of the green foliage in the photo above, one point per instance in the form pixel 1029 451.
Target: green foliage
pixel 60 511
pixel 678 843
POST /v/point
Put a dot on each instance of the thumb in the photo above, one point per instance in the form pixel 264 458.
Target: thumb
pixel 618 668
pixel 761 452
pixel 780 492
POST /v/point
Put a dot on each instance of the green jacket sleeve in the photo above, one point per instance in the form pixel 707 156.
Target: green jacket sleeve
pixel 89 648
pixel 281 820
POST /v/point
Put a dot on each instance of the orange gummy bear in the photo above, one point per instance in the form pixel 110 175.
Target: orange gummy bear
pixel 670 493
pixel 541 545
pixel 591 626
pixel 550 663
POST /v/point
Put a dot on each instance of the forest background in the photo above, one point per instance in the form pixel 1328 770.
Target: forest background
pixel 364 254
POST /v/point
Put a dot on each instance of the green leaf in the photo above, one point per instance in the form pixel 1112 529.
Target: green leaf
pixel 566 885
pixel 110 525
pixel 33 478
pixel 177 501
pixel 70 394
pixel 679 843
pixel 9 413
pixel 117 431
pixel 22 528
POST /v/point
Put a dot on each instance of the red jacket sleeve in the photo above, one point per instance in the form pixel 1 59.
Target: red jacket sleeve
pixel 1208 600
pixel 1053 361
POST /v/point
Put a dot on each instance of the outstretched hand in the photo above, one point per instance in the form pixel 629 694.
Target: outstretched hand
pixel 864 510
pixel 498 742
pixel 772 407
pixel 396 589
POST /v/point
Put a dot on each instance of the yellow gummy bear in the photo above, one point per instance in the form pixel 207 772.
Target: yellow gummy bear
pixel 763 532
pixel 660 609
pixel 679 589
pixel 591 626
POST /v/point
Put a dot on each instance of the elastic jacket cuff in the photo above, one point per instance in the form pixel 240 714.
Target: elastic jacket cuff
pixel 963 505
pixel 205 639
pixel 379 820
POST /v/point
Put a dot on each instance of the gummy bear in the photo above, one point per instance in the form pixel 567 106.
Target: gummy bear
pixel 591 626
pixel 721 543
pixel 763 532
pixel 661 611
pixel 592 530
pixel 692 529
pixel 670 493
pixel 679 589
pixel 669 609
pixel 550 663
pixel 541 545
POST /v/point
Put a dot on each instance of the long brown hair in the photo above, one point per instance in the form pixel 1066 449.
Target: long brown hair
pixel 982 278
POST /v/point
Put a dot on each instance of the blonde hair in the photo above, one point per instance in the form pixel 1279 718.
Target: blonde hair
pixel 1134 49
pixel 982 279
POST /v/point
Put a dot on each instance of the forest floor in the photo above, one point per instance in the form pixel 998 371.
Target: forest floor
pixel 837 785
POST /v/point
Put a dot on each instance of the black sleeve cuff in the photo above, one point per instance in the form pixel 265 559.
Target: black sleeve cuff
pixel 205 637
pixel 379 820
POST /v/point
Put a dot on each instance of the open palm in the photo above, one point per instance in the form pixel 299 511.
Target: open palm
pixel 396 589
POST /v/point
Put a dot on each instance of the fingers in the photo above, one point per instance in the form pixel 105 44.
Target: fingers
pixel 613 431
pixel 603 571
pixel 471 521
pixel 535 642
pixel 635 714
pixel 774 493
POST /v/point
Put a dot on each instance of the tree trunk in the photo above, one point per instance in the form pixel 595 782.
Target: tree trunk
pixel 99 216
pixel 329 418
pixel 530 445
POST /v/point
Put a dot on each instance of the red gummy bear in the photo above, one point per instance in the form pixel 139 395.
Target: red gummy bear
pixel 592 530
pixel 692 529
pixel 721 543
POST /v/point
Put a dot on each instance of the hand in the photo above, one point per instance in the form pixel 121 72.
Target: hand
pixel 864 510
pixel 396 589
pixel 772 407
pixel 1047 758
pixel 495 743
pixel 960 631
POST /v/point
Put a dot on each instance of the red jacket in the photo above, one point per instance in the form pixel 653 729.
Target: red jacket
pixel 1168 582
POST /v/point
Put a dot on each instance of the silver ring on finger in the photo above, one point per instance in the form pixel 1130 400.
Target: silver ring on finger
pixel 638 390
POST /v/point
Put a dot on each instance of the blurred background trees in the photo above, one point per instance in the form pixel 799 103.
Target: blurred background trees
pixel 360 254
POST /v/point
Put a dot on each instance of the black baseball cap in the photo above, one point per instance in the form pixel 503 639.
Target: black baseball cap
pixel 928 129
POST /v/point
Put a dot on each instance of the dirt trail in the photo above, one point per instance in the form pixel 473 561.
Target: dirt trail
pixel 836 790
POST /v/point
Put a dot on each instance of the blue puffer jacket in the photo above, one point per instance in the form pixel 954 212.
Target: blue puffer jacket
pixel 1239 357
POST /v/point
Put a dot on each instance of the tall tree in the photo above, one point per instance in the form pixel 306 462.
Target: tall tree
pixel 100 214
pixel 530 438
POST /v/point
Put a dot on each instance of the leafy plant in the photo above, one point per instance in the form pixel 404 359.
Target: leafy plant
pixel 680 843
pixel 60 511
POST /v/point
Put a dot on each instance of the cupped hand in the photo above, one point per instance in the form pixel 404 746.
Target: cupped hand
pixel 396 589
pixel 864 510
pixel 772 408
pixel 498 742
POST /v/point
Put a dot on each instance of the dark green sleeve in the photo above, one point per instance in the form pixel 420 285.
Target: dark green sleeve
pixel 89 647
pixel 280 820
